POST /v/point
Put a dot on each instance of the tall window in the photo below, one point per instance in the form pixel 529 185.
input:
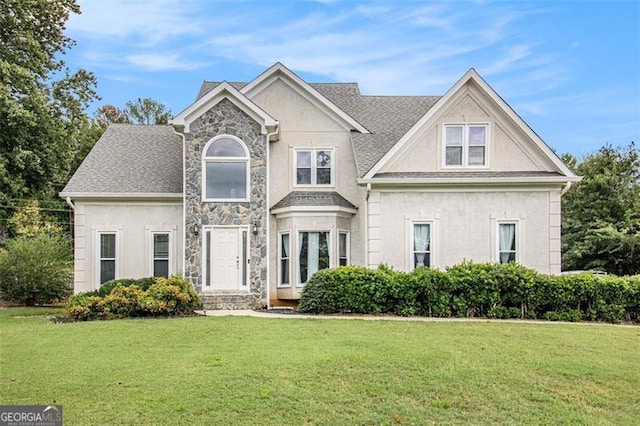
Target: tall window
pixel 107 256
pixel 507 242
pixel 313 254
pixel 343 248
pixel 226 170
pixel 465 145
pixel 421 245
pixel 314 167
pixel 160 261
pixel 285 256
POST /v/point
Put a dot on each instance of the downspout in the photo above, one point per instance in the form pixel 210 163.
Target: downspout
pixel 565 188
pixel 184 200
pixel 70 204
pixel 268 214
pixel 366 227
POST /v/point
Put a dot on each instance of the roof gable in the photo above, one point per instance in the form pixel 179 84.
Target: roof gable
pixel 211 98
pixel 282 73
pixel 474 77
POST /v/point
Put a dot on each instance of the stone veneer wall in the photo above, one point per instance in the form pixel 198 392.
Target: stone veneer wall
pixel 226 118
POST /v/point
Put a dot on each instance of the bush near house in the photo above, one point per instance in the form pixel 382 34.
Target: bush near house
pixel 36 269
pixel 473 290
pixel 144 297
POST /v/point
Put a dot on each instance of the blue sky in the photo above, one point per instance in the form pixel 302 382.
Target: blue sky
pixel 570 69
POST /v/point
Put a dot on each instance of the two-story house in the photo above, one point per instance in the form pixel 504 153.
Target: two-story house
pixel 256 186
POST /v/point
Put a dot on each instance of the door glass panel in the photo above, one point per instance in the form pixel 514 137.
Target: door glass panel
pixel 244 264
pixel 207 258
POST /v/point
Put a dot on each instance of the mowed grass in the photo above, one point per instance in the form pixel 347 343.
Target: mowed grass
pixel 235 370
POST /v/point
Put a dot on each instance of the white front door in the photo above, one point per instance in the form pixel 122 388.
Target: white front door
pixel 227 255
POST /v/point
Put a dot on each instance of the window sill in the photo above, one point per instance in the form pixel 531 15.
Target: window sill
pixel 225 200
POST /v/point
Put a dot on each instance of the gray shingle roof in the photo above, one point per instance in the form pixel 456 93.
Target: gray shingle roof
pixel 388 118
pixel 207 86
pixel 131 159
pixel 313 198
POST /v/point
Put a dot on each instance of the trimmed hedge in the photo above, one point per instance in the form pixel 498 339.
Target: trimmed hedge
pixel 473 290
pixel 144 297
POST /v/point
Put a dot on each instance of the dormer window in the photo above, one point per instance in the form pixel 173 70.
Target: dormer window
pixel 465 145
pixel 314 167
pixel 225 170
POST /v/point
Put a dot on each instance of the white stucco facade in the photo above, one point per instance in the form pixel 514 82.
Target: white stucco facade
pixel 464 225
pixel 133 223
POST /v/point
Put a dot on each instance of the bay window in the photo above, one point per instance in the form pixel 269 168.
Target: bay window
pixel 343 248
pixel 284 263
pixel 313 254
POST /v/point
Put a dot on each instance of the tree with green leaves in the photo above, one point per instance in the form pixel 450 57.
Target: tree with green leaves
pixel 601 214
pixel 147 111
pixel 42 102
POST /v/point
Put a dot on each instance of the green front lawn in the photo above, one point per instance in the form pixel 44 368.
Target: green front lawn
pixel 288 371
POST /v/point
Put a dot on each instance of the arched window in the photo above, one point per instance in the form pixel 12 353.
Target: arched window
pixel 225 170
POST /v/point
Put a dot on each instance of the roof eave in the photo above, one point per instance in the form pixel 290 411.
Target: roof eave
pixel 471 180
pixel 121 195
pixel 314 209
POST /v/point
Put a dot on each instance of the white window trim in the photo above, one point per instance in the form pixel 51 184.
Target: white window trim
pixel 151 250
pixel 279 260
pixel 348 246
pixel 432 235
pixel 297 252
pixel 518 224
pixel 314 168
pixel 205 160
pixel 465 145
pixel 99 257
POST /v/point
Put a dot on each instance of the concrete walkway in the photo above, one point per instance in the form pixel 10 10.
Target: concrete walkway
pixel 266 314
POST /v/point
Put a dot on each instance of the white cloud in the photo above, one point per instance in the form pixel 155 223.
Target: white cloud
pixel 162 62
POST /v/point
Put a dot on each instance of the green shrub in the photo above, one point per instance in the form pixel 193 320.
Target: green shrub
pixel 424 291
pixel 36 270
pixel 84 307
pixel 570 315
pixel 348 289
pixel 172 296
pixel 143 283
pixel 123 301
pixel 474 289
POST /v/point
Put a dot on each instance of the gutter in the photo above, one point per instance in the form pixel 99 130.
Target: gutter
pixel 475 181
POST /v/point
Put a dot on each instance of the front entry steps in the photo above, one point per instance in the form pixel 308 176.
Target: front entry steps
pixel 230 301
